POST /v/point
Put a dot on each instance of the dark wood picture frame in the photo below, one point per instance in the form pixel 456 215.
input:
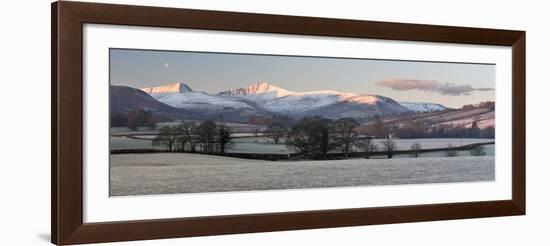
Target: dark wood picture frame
pixel 67 124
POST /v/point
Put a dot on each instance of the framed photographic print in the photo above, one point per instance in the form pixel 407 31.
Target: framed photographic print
pixel 175 122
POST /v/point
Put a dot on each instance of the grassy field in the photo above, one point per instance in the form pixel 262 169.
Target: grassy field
pixel 169 173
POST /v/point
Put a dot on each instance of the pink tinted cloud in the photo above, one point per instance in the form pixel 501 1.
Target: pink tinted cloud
pixel 429 85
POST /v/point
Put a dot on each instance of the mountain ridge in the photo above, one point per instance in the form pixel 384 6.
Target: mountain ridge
pixel 178 87
pixel 422 107
pixel 125 98
pixel 261 99
pixel 266 89
pixel 329 103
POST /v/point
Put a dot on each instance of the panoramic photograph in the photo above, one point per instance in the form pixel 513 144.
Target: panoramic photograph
pixel 202 122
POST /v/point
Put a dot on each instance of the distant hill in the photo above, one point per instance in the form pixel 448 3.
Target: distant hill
pixel 124 99
pixel 483 114
pixel 266 100
pixel 422 107
pixel 202 105
pixel 179 101
pixel 326 103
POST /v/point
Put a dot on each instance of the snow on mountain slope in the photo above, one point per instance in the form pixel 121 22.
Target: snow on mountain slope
pixel 305 101
pixel 258 91
pixel 483 115
pixel 336 103
pixel 201 100
pixel 266 99
pixel 180 95
pixel 299 102
pixel 201 105
pixel 422 107
pixel 169 88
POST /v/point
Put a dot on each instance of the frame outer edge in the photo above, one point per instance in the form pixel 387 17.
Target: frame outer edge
pixel 67 105
pixel 519 123
pixel 53 105
pixel 67 205
pixel 170 17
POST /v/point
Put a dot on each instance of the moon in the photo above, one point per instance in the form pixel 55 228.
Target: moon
pixel 165 64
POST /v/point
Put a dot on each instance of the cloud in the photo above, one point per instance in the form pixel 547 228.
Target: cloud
pixel 430 85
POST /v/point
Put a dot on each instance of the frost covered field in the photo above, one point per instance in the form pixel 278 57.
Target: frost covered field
pixel 169 173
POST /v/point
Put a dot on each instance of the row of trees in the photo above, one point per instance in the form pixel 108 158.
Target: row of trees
pixel 206 137
pixel 279 119
pixel 316 136
pixel 416 129
pixel 388 147
pixel 449 131
pixel 134 119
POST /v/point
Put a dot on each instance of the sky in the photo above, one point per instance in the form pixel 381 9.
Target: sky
pixel 450 84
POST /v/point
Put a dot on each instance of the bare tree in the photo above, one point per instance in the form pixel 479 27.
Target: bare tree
pixel 276 132
pixel 311 137
pixel 378 128
pixel 389 147
pixel 368 146
pixel 167 137
pixel 224 137
pixel 410 128
pixel 132 118
pixel 140 117
pixel 206 132
pixel 150 120
pixel 474 129
pixel 345 134
pixel 451 152
pixel 186 139
pixel 478 150
pixel 415 149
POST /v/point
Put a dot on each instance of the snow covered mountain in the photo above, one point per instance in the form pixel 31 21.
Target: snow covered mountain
pixel 258 92
pixel 422 107
pixel 265 99
pixel 200 100
pixel 330 104
pixel 181 96
pixel 169 88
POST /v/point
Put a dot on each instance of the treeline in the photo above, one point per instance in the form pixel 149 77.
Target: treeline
pixel 409 126
pixel 206 137
pixel 312 137
pixel 278 119
pixel 134 119
pixel 449 131
pixel 315 137
pixel 488 104
pixel 418 129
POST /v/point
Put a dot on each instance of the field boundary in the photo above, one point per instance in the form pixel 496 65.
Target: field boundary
pixel 299 156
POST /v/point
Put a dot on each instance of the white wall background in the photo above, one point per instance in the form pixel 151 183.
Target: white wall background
pixel 25 110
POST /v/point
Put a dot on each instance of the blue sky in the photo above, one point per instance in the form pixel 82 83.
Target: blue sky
pixel 451 84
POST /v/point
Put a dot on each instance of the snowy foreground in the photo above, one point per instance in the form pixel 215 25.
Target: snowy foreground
pixel 169 173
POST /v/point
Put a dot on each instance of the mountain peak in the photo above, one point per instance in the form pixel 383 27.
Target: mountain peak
pixel 168 88
pixel 262 89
